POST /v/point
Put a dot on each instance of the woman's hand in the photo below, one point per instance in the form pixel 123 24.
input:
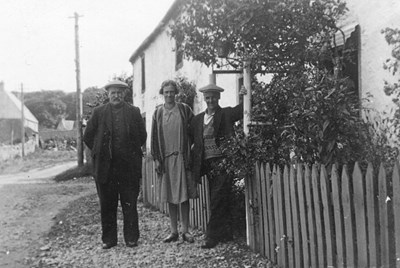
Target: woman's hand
pixel 157 166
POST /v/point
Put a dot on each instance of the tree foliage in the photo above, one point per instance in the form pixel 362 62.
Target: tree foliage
pixel 47 106
pixel 392 65
pixel 50 106
pixel 310 111
pixel 278 36
pixel 187 91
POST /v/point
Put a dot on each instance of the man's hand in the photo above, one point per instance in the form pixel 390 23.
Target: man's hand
pixel 243 90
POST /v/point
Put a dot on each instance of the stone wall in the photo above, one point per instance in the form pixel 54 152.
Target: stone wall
pixel 12 151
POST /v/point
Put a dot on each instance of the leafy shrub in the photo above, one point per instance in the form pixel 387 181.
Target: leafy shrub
pixel 392 37
pixel 187 91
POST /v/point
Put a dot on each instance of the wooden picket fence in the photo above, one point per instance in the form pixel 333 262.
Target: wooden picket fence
pixel 303 217
pixel 199 213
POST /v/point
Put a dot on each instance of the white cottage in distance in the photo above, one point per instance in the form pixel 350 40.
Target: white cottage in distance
pixel 156 59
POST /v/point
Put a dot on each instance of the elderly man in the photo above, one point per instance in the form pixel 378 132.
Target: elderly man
pixel 115 133
pixel 208 129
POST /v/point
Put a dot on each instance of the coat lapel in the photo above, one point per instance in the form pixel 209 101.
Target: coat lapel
pixel 217 119
pixel 127 119
pixel 107 117
pixel 200 125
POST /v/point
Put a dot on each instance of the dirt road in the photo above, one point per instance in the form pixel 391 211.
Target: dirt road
pixel 36 175
pixel 49 224
pixel 29 202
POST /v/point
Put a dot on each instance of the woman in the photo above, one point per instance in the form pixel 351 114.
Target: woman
pixel 170 148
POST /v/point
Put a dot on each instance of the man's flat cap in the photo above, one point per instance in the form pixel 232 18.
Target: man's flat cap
pixel 116 83
pixel 211 88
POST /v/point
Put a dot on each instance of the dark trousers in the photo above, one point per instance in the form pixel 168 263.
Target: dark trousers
pixel 123 186
pixel 219 226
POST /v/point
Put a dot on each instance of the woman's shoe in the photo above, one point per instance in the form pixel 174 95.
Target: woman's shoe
pixel 187 237
pixel 109 245
pixel 171 238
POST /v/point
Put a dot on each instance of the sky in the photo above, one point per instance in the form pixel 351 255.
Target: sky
pixel 37 40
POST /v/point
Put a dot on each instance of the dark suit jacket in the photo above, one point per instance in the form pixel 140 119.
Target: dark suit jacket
pixel 224 120
pixel 98 138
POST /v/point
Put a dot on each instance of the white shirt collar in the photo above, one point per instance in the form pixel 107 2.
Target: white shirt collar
pixel 208 118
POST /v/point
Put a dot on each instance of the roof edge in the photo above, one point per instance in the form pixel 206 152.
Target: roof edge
pixel 172 11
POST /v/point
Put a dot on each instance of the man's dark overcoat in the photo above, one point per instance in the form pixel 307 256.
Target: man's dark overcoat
pixel 219 226
pixel 224 119
pixel 98 137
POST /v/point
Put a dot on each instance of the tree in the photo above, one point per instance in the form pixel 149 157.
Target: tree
pixel 309 111
pixel 278 36
pixel 187 91
pixel 392 65
pixel 46 106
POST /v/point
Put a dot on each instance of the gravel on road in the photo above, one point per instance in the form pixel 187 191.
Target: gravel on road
pixel 74 241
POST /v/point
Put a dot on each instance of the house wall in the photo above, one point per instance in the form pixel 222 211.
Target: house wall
pixel 10 131
pixel 160 66
pixel 374 16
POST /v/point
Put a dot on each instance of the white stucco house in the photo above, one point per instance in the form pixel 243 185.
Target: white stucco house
pixel 365 20
pixel 156 60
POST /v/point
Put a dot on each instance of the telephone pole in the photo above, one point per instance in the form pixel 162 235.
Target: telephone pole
pixel 79 106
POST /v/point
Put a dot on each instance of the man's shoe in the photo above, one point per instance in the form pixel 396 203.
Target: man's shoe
pixel 209 243
pixel 171 238
pixel 108 245
pixel 131 244
pixel 227 238
pixel 187 237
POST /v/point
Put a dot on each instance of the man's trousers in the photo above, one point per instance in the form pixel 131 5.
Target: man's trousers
pixel 121 185
pixel 219 226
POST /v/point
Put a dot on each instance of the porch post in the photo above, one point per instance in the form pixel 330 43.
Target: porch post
pixel 246 121
pixel 247 97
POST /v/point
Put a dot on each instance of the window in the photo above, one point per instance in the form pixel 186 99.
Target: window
pixel 144 147
pixel 347 51
pixel 350 66
pixel 143 68
pixel 240 83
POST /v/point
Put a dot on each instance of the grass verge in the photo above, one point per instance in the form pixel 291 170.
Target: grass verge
pixel 74 173
pixel 38 159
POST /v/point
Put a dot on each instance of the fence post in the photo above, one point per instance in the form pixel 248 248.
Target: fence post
pixel 396 210
pixel 295 218
pixel 383 217
pixel 328 213
pixel 348 219
pixel 303 215
pixel 249 212
pixel 311 219
pixel 338 218
pixel 270 209
pixel 262 208
pixel 359 209
pixel 371 214
pixel 318 217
